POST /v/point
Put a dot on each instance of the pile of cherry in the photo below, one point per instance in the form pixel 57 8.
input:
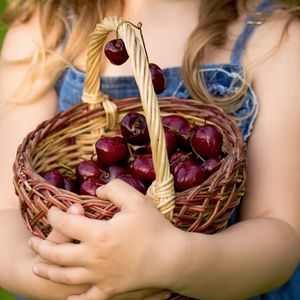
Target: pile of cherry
pixel 195 152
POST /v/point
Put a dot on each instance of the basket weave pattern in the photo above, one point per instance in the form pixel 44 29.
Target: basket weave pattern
pixel 70 137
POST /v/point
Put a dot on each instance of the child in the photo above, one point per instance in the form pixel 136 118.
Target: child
pixel 138 253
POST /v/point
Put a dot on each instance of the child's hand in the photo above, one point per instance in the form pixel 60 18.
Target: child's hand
pixel 138 248
pixel 143 295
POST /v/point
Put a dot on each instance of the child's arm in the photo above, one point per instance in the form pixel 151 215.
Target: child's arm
pixel 15 122
pixel 138 248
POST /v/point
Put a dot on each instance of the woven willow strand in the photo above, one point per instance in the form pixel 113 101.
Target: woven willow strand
pixel 161 191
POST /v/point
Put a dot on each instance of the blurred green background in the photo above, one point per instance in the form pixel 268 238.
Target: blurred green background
pixel 2 27
pixel 3 294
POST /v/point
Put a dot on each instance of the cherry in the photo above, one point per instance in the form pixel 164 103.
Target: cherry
pixel 177 157
pixel 86 169
pixel 112 172
pixel 171 142
pixel 158 78
pixel 133 181
pixel 89 186
pixel 211 165
pixel 184 135
pixel 134 129
pixel 55 178
pixel 175 122
pixel 142 150
pixel 111 150
pixel 207 141
pixel 188 174
pixel 142 167
pixel 116 52
pixel 70 184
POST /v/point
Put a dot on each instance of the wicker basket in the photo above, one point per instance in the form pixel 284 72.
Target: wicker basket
pixel 70 137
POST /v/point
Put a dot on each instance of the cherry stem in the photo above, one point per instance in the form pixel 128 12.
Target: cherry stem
pixel 139 27
pixel 130 151
pixel 93 155
pixel 67 168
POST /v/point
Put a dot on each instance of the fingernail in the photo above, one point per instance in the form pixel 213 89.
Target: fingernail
pixel 31 241
pixel 35 269
pixel 74 209
pixel 99 189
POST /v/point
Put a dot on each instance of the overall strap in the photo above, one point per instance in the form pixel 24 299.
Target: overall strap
pixel 264 8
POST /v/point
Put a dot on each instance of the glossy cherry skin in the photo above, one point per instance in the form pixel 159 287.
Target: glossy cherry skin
pixel 171 142
pixel 111 150
pixel 142 167
pixel 207 141
pixel 134 129
pixel 55 178
pixel 89 186
pixel 158 78
pixel 184 136
pixel 211 165
pixel 177 157
pixel 175 122
pixel 86 169
pixel 134 181
pixel 70 184
pixel 116 52
pixel 187 175
pixel 113 172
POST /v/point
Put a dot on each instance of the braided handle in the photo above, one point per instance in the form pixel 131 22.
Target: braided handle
pixel 161 192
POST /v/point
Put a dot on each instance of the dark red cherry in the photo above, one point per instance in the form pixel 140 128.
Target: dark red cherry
pixel 133 181
pixel 184 136
pixel 89 186
pixel 86 169
pixel 143 168
pixel 207 141
pixel 113 172
pixel 55 178
pixel 70 184
pixel 211 165
pixel 188 175
pixel 141 150
pixel 111 150
pixel 134 129
pixel 177 157
pixel 175 122
pixel 116 52
pixel 171 141
pixel 158 78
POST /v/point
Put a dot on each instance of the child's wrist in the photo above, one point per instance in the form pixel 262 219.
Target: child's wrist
pixel 174 260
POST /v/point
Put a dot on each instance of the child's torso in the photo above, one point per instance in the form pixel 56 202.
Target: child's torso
pixel 221 79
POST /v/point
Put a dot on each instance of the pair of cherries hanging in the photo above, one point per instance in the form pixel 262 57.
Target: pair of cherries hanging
pixel 116 52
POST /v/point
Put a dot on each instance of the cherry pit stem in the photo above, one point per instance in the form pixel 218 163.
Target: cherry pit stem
pixel 138 27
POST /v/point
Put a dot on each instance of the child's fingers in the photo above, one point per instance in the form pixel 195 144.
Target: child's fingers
pixel 57 237
pixel 94 293
pixel 121 194
pixel 69 276
pixel 66 254
pixel 160 296
pixel 74 226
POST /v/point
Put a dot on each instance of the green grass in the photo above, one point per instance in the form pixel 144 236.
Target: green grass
pixel 6 296
pixel 2 27
pixel 3 294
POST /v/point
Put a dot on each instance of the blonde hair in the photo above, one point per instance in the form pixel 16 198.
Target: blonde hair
pixel 214 19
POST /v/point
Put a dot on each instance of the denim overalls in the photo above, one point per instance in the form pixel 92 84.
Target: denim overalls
pixel 221 80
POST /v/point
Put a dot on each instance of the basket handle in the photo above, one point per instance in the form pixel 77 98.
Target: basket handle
pixel 161 191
